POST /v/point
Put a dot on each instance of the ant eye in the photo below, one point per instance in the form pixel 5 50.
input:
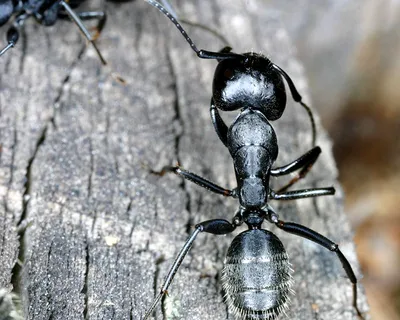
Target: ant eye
pixel 228 73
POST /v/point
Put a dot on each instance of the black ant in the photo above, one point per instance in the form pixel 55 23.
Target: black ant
pixel 46 12
pixel 257 277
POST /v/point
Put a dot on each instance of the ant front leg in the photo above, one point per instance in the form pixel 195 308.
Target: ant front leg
pixel 304 232
pixel 215 226
pixel 200 181
pixel 219 125
pixel 305 162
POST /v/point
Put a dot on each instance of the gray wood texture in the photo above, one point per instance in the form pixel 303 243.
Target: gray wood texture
pixel 101 232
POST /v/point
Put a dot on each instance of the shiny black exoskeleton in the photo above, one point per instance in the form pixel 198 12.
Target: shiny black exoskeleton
pixel 249 81
pixel 257 276
pixel 46 12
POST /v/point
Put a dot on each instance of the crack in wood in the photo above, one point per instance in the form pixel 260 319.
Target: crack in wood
pixel 86 282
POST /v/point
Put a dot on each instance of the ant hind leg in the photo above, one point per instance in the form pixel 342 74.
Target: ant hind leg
pixel 304 232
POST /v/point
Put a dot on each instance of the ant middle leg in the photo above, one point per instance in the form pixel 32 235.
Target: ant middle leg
pixel 305 163
pixel 304 232
pixel 200 181
pixel 301 194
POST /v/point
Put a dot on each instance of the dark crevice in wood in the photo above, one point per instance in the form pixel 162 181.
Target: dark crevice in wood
pixel 27 184
pixel 17 269
pixel 86 284
pixel 176 107
pixel 63 85
pixel 132 228
pixel 91 168
pixel 128 209
pixel 163 308
pixel 131 312
pixel 48 283
pixel 156 290
pixel 178 136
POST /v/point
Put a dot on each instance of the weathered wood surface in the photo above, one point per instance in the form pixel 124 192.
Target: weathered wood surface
pixel 102 231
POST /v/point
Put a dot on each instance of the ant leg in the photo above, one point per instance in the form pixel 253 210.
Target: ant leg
pixel 12 38
pixel 75 18
pixel 90 15
pixel 219 125
pixel 304 232
pixel 297 97
pixel 200 181
pixel 216 226
pixel 305 162
pixel 13 32
pixel 300 194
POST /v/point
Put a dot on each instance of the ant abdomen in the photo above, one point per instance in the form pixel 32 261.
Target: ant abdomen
pixel 256 278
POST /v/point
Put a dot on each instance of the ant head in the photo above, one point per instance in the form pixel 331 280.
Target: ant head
pixel 249 81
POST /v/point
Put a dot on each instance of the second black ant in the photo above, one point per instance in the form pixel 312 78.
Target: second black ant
pixel 257 277
pixel 47 12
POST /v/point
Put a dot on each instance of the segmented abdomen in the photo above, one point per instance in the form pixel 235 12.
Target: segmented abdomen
pixel 257 276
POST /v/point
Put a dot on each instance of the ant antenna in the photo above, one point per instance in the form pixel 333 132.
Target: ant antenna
pixel 206 28
pixel 74 17
pixel 297 97
pixel 172 12
pixel 203 54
